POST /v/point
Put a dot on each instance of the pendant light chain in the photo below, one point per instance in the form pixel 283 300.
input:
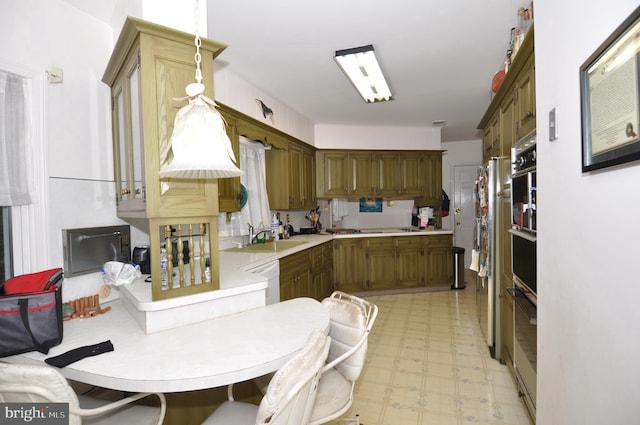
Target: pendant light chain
pixel 198 43
pixel 199 147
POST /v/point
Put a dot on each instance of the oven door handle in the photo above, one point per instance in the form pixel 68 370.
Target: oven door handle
pixel 517 294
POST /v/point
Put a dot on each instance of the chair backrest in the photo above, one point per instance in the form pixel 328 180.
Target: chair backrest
pixel 291 393
pixel 21 383
pixel 351 321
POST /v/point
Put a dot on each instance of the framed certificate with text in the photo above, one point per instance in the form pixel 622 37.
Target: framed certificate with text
pixel 610 97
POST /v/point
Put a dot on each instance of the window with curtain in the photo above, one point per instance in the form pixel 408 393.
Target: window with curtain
pixel 15 183
pixel 254 179
pixel 15 180
pixel 6 262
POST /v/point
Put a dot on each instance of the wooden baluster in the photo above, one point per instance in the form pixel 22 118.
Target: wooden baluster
pixel 203 232
pixel 180 246
pixel 169 248
pixel 192 265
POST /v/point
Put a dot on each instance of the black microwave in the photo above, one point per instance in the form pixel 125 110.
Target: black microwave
pixel 523 184
pixel 523 201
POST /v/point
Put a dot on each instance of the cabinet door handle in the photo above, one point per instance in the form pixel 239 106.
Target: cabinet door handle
pixel 125 191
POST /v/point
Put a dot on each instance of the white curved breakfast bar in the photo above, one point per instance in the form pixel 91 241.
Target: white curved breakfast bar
pixel 207 354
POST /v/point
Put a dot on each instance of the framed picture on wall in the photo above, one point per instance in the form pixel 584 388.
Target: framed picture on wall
pixel 610 98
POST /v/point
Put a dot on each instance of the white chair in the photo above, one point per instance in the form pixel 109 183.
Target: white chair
pixel 351 321
pixel 291 393
pixel 21 383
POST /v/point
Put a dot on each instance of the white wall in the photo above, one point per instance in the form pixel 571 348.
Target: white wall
pixel 467 152
pixel 239 94
pixel 588 286
pixel 38 35
pixel 357 137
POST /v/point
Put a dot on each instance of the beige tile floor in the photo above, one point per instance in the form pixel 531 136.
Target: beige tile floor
pixel 428 364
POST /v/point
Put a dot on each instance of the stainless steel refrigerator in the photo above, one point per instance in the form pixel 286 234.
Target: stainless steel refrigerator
pixel 486 245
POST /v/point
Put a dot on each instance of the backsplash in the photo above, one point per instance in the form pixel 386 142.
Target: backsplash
pixel 396 213
pixel 334 213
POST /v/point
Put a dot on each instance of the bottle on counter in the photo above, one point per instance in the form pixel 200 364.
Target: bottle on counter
pixel 274 227
pixel 280 227
pixel 207 271
pixel 163 269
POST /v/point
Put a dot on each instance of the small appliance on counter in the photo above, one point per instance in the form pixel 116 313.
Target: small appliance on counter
pixel 314 219
pixel 308 231
pixel 142 257
pixel 422 217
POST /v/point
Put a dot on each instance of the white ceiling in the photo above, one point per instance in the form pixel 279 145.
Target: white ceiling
pixel 439 56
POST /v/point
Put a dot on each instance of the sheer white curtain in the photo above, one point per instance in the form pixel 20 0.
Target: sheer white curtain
pixel 15 183
pixel 252 162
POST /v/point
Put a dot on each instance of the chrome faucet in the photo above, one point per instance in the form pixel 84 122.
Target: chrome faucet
pixel 253 236
pixel 258 234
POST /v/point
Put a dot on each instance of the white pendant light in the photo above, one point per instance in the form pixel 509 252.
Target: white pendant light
pixel 199 147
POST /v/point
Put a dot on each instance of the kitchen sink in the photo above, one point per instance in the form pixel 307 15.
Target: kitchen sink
pixel 275 246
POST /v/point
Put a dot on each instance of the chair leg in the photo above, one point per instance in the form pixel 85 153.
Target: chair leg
pixel 351 421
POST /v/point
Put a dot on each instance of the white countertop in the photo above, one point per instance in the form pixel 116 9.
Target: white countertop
pixel 386 232
pixel 232 261
pixel 208 354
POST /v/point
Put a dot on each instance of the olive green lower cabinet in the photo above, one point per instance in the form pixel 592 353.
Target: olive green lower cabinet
pixel 438 252
pixel 349 273
pixel 393 263
pixel 307 273
pixel 321 270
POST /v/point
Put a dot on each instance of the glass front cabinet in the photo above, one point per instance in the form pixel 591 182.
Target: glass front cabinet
pixel 149 69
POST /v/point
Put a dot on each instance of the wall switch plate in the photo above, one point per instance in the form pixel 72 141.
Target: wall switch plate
pixel 55 75
pixel 553 125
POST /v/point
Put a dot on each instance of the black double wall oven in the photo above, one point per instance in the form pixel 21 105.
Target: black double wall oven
pixel 524 263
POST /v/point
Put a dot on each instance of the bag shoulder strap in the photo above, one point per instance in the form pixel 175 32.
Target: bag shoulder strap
pixel 24 315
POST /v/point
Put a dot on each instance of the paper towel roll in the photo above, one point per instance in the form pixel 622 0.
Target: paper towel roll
pixel 475 259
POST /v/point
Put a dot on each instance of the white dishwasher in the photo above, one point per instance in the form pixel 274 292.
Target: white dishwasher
pixel 271 271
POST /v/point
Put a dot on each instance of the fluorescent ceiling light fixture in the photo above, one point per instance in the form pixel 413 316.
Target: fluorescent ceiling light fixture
pixel 361 67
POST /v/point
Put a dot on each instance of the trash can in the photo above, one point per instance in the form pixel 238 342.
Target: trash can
pixel 458 268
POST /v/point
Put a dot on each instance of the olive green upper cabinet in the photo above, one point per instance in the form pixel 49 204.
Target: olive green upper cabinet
pixel 308 177
pixel 511 114
pixel 433 186
pixel 372 173
pixel 295 177
pixel 399 174
pixel 412 171
pixel 361 183
pixel 291 177
pixel 333 171
pixel 229 191
pixel 491 138
pixel 150 66
pixel 290 164
pixel 525 98
pixel 385 174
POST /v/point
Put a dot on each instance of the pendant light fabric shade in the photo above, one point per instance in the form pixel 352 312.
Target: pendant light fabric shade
pixel 199 147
